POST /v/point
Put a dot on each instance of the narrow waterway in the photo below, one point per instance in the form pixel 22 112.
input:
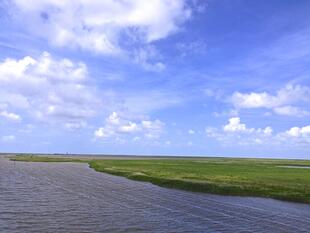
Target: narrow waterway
pixel 68 197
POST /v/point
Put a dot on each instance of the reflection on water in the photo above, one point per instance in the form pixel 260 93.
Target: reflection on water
pixel 290 166
pixel 68 197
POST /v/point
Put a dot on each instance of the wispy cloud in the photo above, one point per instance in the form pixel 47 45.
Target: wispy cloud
pixel 8 138
pixel 192 47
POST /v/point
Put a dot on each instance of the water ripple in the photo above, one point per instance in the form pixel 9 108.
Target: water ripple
pixel 68 197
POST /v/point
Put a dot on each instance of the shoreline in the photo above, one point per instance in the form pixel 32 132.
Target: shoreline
pixel 111 166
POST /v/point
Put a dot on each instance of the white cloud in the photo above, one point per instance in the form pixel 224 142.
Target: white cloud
pixel 130 127
pixel 299 131
pixel 58 70
pixel 234 125
pixel 8 138
pixel 299 136
pixel 113 119
pixel 103 133
pixel 190 131
pixel 58 91
pixel 268 131
pixel 48 89
pixel 291 111
pixel 152 125
pixel 74 125
pixel 280 103
pixel 252 100
pixel 229 113
pixel 100 26
pixel 10 116
pixel 238 133
pixel 152 129
pixel 124 126
pixel 148 57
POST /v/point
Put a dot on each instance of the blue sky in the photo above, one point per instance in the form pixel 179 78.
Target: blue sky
pixel 214 78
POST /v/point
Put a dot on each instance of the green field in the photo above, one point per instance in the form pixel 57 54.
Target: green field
pixel 226 176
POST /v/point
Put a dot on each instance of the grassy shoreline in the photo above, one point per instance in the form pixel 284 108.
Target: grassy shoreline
pixel 224 176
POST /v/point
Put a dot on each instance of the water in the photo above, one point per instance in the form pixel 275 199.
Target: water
pixel 68 197
pixel 302 167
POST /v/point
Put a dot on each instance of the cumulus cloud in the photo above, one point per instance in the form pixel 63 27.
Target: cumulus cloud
pixel 267 131
pixel 130 127
pixel 299 136
pixel 236 132
pixel 113 119
pixel 117 126
pixel 299 131
pixel 48 89
pixel 234 125
pixel 280 103
pixel 100 26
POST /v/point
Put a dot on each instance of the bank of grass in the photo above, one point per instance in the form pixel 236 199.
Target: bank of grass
pixel 226 176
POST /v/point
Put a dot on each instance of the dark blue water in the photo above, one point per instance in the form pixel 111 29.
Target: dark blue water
pixel 68 197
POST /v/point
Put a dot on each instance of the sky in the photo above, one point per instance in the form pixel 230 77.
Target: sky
pixel 159 77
